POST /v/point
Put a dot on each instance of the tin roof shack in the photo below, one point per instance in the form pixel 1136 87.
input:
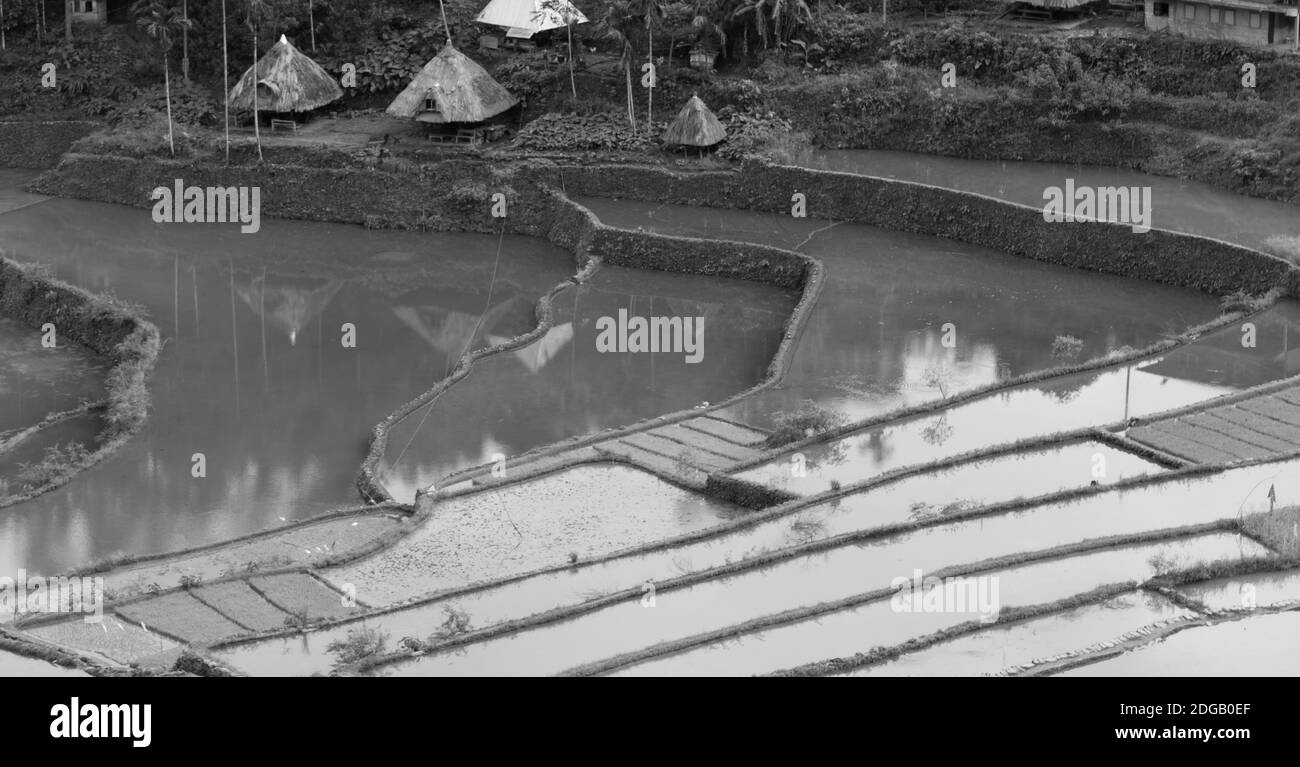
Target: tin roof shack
pixel 285 81
pixel 89 11
pixel 453 95
pixel 525 18
pixel 1255 22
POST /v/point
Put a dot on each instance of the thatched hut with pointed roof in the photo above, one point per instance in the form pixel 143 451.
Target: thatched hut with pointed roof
pixel 285 80
pixel 452 88
pixel 695 126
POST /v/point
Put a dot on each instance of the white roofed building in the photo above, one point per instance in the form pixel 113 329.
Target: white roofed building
pixel 525 18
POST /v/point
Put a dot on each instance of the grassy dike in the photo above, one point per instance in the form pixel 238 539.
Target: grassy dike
pixel 107 327
pixel 17 645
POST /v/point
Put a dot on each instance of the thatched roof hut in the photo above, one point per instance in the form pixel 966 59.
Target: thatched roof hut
pixel 695 125
pixel 452 89
pixel 287 80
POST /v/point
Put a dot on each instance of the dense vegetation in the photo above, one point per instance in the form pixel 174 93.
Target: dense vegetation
pixel 790 74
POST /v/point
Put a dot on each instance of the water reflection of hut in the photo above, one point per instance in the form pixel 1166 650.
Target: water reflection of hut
pixel 536 355
pixel 288 304
pixel 695 126
pixel 454 94
pixel 449 330
pixel 1223 366
pixel 284 81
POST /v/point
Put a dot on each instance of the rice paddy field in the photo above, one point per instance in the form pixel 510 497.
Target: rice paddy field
pixel 1011 504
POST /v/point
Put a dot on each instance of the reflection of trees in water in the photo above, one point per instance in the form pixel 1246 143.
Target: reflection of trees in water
pixel 834 454
pixel 937 432
pixel 1066 388
pixel 864 386
pixel 877 446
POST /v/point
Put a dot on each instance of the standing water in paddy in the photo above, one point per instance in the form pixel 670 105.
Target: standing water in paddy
pixel 36 381
pixel 255 376
pixel 1213 365
pixel 906 318
pixel 564 385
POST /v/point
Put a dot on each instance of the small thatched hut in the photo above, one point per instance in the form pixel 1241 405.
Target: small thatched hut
pixel 287 80
pixel 695 126
pixel 452 89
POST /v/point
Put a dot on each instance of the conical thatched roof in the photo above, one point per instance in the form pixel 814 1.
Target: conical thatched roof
pixel 287 81
pixel 695 125
pixel 463 91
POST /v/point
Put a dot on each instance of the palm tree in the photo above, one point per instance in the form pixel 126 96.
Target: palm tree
pixel 256 9
pixel 617 25
pixel 565 11
pixel 774 21
pixel 225 75
pixel 652 11
pixel 161 21
pixel 707 17
pixel 67 19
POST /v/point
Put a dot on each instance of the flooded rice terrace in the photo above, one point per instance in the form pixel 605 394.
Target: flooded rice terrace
pixel 875 340
pixel 254 374
pixel 256 378
pixel 564 386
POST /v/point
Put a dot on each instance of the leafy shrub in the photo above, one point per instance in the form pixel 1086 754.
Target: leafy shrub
pixel 574 133
pixel 808 420
pixel 768 136
pixel 456 623
pixel 1066 347
pixel 530 77
pixel 1238 301
pixel 191 105
pixel 360 643
pixel 58 462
